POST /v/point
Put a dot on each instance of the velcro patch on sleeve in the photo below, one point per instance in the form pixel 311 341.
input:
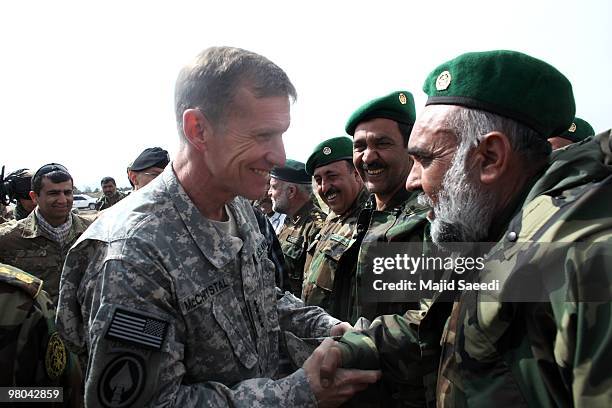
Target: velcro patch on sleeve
pixel 137 328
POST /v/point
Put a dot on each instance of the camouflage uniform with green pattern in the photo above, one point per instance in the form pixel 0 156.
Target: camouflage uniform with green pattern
pixel 25 245
pixel 297 235
pixel 105 202
pixel 552 353
pixel 31 351
pixel 392 342
pixel 337 235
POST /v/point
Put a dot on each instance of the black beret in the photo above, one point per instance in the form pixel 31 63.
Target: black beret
pixel 293 171
pixel 151 157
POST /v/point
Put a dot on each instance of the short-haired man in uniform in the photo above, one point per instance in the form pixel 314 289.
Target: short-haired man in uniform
pixel 148 165
pixel 339 186
pixel 291 193
pixel 111 195
pixel 171 296
pixel 40 242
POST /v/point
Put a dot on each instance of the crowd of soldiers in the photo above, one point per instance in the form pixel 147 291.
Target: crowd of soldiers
pixel 238 277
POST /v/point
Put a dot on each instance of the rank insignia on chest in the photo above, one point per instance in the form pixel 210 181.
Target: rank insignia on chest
pixel 294 239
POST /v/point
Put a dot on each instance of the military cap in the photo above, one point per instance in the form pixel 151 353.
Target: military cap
pixel 507 83
pixel 579 130
pixel 397 106
pixel 151 157
pixel 293 171
pixel 329 151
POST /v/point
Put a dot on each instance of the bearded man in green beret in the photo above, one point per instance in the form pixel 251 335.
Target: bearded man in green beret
pixel 542 337
pixel 291 193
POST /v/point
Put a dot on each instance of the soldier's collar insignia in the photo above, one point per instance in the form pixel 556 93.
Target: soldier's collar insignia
pixel 55 357
pixel 402 98
pixel 327 150
pixel 443 81
pixel 572 128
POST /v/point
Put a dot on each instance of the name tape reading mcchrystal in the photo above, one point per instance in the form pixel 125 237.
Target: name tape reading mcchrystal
pixel 409 272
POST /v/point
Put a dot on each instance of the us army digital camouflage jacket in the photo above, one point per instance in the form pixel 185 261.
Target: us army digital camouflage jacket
pixel 557 352
pixel 25 245
pixel 147 292
pixel 295 237
pixel 323 255
pixel 31 351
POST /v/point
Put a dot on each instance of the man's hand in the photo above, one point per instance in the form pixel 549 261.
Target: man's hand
pixel 342 384
pixel 340 329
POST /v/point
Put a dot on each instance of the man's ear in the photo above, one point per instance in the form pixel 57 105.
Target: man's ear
pixel 132 177
pixel 291 191
pixel 34 197
pixel 492 156
pixel 196 128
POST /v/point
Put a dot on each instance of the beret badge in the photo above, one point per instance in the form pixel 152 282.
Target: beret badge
pixel 443 81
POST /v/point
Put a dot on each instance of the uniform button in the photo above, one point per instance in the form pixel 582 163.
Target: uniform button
pixel 512 236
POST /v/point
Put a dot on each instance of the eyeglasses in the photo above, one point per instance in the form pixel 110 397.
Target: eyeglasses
pixel 49 168
pixel 151 174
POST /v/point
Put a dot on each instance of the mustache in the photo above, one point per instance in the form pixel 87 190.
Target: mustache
pixel 372 166
pixel 331 191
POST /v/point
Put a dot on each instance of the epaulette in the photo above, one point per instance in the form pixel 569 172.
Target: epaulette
pixel 20 279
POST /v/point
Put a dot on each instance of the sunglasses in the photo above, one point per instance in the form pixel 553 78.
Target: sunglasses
pixel 49 168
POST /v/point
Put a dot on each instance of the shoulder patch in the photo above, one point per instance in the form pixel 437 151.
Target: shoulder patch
pixel 122 381
pixel 55 356
pixel 17 277
pixel 137 328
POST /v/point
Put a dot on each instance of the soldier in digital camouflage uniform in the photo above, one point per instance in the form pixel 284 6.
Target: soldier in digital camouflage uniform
pixel 111 195
pixel 579 130
pixel 341 189
pixel 543 338
pixel 31 351
pixel 291 193
pixel 171 296
pixel 40 242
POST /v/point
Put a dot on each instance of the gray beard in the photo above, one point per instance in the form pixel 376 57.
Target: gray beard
pixel 281 205
pixel 464 211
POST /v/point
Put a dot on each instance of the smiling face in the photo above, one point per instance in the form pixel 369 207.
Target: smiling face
pixel 462 208
pixel 248 144
pixel 380 157
pixel 54 201
pixel 338 185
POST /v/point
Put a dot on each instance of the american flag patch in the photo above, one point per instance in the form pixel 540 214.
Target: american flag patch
pixel 137 328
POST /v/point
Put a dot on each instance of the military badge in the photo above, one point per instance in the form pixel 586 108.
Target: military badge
pixel 122 381
pixel 402 98
pixel 55 357
pixel 327 150
pixel 443 81
pixel 572 128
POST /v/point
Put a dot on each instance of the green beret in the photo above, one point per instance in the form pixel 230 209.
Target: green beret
pixel 579 130
pixel 397 106
pixel 293 171
pixel 329 151
pixel 507 83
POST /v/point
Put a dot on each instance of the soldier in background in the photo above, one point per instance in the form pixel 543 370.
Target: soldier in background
pixel 148 165
pixel 341 189
pixel 291 193
pixel 111 195
pixel 18 185
pixel 39 243
pixel 579 130
pixel 31 351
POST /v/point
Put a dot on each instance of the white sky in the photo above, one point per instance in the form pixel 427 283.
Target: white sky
pixel 90 84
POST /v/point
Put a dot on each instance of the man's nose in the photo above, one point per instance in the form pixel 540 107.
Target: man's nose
pixel 413 182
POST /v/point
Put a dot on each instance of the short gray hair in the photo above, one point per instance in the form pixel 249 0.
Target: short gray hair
pixel 210 82
pixel 470 125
